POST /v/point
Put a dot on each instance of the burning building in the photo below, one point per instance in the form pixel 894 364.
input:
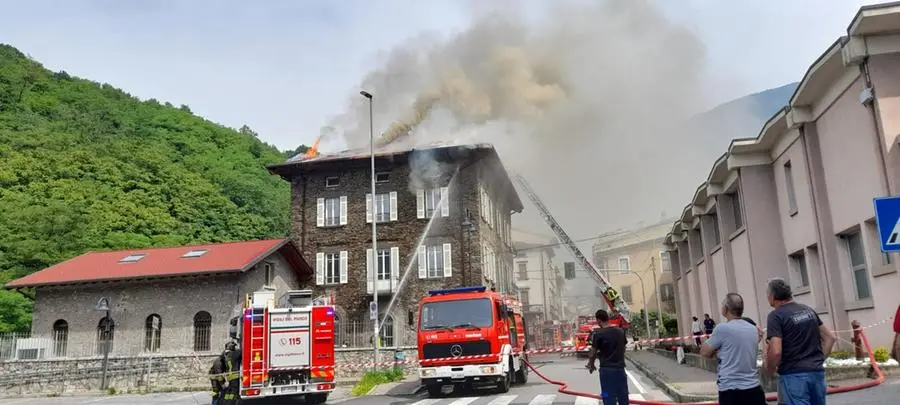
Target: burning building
pixel 442 213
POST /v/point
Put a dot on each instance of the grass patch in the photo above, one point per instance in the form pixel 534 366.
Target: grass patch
pixel 373 378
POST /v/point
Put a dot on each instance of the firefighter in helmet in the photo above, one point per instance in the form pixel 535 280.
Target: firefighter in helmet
pixel 231 358
pixel 217 379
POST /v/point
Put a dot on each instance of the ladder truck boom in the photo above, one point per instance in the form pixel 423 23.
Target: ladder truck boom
pixel 610 294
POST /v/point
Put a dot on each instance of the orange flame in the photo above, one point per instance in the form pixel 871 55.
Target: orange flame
pixel 314 149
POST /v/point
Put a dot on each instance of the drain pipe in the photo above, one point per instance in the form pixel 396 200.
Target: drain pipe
pixel 869 103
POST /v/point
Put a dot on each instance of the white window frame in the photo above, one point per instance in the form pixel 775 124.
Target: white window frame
pixel 627 268
pixel 381 207
pixel 860 267
pixel 789 187
pixel 664 259
pixel 332 211
pixel 432 201
pixel 434 262
pixel 332 268
pixel 337 181
pixel 799 265
pixel 383 264
pixel 627 297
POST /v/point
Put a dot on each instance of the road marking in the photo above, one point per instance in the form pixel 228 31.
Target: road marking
pixel 634 381
pixel 636 396
pixel 579 400
pixel 464 401
pixel 502 400
pixel 542 400
pixel 429 401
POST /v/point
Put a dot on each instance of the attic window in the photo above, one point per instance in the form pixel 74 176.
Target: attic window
pixel 382 177
pixel 132 258
pixel 332 181
pixel 195 253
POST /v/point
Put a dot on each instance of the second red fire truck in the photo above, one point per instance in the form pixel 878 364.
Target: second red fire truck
pixel 470 337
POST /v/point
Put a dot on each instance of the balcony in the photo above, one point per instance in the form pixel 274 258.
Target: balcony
pixel 384 286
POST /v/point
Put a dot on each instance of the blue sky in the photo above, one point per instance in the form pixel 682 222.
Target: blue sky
pixel 285 67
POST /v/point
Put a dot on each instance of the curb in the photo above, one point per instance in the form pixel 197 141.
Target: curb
pixel 676 394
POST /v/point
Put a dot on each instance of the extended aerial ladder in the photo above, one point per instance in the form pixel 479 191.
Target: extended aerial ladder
pixel 610 294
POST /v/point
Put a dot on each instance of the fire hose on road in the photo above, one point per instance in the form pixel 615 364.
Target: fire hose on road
pixel 564 387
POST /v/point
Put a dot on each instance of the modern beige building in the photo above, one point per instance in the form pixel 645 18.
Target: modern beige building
pixel 635 262
pixel 796 201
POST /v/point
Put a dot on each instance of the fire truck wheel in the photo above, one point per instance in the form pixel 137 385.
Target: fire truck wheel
pixel 503 386
pixel 522 374
pixel 316 399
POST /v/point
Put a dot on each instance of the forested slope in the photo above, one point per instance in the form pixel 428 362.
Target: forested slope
pixel 86 166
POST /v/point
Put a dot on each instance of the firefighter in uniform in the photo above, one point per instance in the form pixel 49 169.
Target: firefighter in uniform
pixel 232 359
pixel 217 379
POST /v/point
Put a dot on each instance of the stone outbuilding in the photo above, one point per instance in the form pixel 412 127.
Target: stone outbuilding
pixel 175 300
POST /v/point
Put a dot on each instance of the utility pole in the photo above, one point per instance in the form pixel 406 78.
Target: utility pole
pixel 374 264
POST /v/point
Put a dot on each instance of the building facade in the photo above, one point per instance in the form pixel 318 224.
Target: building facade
pixel 442 216
pixel 163 300
pixel 796 202
pixel 540 280
pixel 637 264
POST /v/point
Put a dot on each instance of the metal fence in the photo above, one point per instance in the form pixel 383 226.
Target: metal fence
pixel 169 342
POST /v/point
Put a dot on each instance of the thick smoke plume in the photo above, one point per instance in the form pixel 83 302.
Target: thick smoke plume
pixel 588 102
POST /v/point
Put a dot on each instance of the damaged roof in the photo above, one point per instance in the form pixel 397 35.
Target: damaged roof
pixel 625 238
pixel 396 154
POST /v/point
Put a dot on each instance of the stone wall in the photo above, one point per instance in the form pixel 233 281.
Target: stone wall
pixel 130 374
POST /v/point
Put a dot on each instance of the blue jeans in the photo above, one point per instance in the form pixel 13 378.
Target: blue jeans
pixel 803 388
pixel 613 386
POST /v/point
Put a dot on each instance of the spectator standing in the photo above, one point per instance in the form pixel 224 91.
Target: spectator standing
pixel 708 324
pixel 735 343
pixel 797 345
pixel 697 330
pixel 608 344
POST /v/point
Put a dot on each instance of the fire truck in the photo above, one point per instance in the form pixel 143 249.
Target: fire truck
pixel 470 337
pixel 586 326
pixel 287 349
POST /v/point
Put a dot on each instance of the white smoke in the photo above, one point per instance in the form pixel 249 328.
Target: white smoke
pixel 587 103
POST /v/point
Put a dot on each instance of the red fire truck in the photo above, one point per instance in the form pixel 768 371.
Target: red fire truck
pixel 470 337
pixel 287 348
pixel 586 326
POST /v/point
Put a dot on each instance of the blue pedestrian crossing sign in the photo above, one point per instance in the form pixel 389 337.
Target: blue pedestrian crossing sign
pixel 887 219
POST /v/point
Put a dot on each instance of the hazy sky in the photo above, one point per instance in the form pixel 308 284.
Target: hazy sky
pixel 285 67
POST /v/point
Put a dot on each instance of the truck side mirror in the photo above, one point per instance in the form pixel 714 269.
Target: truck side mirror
pixel 233 328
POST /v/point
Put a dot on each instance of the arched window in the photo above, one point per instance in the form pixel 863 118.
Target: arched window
pixel 106 332
pixel 387 332
pixel 152 332
pixel 60 337
pixel 202 331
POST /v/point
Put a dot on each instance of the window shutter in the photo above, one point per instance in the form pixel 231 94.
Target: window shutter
pixel 368 208
pixel 393 205
pixel 395 267
pixel 320 268
pixel 320 212
pixel 420 203
pixel 343 210
pixel 343 267
pixel 369 263
pixel 445 201
pixel 423 269
pixel 448 265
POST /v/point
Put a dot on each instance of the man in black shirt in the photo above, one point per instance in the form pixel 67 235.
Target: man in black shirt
pixel 608 344
pixel 798 344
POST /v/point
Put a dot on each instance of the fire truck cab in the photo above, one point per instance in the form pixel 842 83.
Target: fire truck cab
pixel 469 337
pixel 287 347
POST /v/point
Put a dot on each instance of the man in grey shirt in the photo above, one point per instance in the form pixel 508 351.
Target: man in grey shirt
pixel 735 343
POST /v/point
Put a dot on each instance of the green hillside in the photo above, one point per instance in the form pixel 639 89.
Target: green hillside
pixel 86 166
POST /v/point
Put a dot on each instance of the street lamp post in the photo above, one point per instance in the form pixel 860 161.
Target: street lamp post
pixel 656 291
pixel 103 305
pixel 374 265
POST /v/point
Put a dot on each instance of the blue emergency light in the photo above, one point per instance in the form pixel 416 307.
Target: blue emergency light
pixel 459 290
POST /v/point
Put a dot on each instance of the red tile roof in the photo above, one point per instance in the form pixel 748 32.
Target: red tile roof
pixel 165 262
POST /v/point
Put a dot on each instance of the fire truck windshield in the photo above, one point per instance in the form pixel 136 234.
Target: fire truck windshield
pixel 471 313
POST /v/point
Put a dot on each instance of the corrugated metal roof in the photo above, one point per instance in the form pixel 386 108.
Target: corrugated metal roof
pixel 623 238
pixel 164 262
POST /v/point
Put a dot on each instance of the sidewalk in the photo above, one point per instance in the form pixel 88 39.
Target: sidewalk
pixel 682 382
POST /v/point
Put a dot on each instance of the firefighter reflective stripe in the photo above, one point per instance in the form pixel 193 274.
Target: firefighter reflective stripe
pixel 231 375
pixel 322 373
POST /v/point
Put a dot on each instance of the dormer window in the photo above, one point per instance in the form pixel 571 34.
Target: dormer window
pixel 332 181
pixel 194 253
pixel 132 258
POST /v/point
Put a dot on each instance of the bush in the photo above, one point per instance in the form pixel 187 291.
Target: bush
pixel 840 355
pixel 373 378
pixel 882 354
